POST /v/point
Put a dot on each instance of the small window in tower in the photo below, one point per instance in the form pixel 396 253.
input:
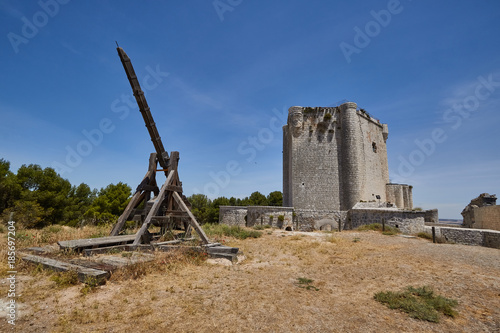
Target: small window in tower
pixel 374 147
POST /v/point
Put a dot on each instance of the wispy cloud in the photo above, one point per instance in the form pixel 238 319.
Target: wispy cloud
pixel 70 48
pixel 202 99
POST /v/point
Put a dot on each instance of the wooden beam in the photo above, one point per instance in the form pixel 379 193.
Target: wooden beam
pixel 126 213
pixel 136 198
pixel 84 273
pixel 78 244
pixel 192 219
pixel 154 210
pixel 175 188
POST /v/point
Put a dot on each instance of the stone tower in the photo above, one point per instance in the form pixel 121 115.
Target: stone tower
pixel 333 158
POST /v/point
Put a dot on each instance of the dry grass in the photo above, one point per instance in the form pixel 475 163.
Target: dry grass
pixel 269 291
pixel 49 235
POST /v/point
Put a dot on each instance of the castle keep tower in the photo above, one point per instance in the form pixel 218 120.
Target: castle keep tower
pixel 335 176
pixel 333 158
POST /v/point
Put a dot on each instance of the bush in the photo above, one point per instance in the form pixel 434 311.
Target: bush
pixel 420 303
pixel 306 284
pixel 424 235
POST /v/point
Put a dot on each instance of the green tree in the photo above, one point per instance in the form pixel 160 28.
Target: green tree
pixel 213 215
pixel 10 190
pixel 257 199
pixel 275 198
pixel 109 204
pixel 45 188
pixel 200 205
pixel 28 214
pixel 80 200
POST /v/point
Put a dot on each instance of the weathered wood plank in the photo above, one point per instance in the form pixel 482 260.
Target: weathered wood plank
pixel 117 248
pixel 84 273
pixel 228 256
pixel 95 242
pixel 192 219
pixel 154 209
pixel 176 241
pixel 136 198
pixel 212 244
pixel 166 248
pixel 223 249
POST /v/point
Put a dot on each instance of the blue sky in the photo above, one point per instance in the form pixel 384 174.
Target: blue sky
pixel 219 77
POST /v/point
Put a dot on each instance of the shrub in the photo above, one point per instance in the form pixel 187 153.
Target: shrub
pixel 424 235
pixel 420 303
pixel 306 284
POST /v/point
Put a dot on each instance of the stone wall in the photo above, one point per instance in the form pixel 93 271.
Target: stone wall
pixel 310 220
pixel 310 158
pixel 432 216
pixel 233 215
pixel 278 217
pixel 487 217
pixel 468 236
pixel 409 222
pixel 374 167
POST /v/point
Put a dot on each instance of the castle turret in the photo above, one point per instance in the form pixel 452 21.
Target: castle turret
pixel 351 156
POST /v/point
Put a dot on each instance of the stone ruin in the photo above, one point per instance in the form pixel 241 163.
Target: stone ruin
pixel 482 213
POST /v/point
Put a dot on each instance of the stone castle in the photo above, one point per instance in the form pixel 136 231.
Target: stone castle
pixel 335 176
pixel 334 158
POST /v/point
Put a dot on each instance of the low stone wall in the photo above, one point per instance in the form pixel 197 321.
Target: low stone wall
pixel 278 217
pixel 408 221
pixel 309 220
pixel 468 236
pixel 233 215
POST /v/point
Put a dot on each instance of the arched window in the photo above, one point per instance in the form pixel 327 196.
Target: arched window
pixel 374 147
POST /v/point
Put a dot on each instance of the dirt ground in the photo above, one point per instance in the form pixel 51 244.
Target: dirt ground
pixel 262 294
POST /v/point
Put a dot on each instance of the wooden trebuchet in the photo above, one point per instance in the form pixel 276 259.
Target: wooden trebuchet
pixel 168 208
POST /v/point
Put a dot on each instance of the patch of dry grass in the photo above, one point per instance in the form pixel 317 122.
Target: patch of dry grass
pixel 181 293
